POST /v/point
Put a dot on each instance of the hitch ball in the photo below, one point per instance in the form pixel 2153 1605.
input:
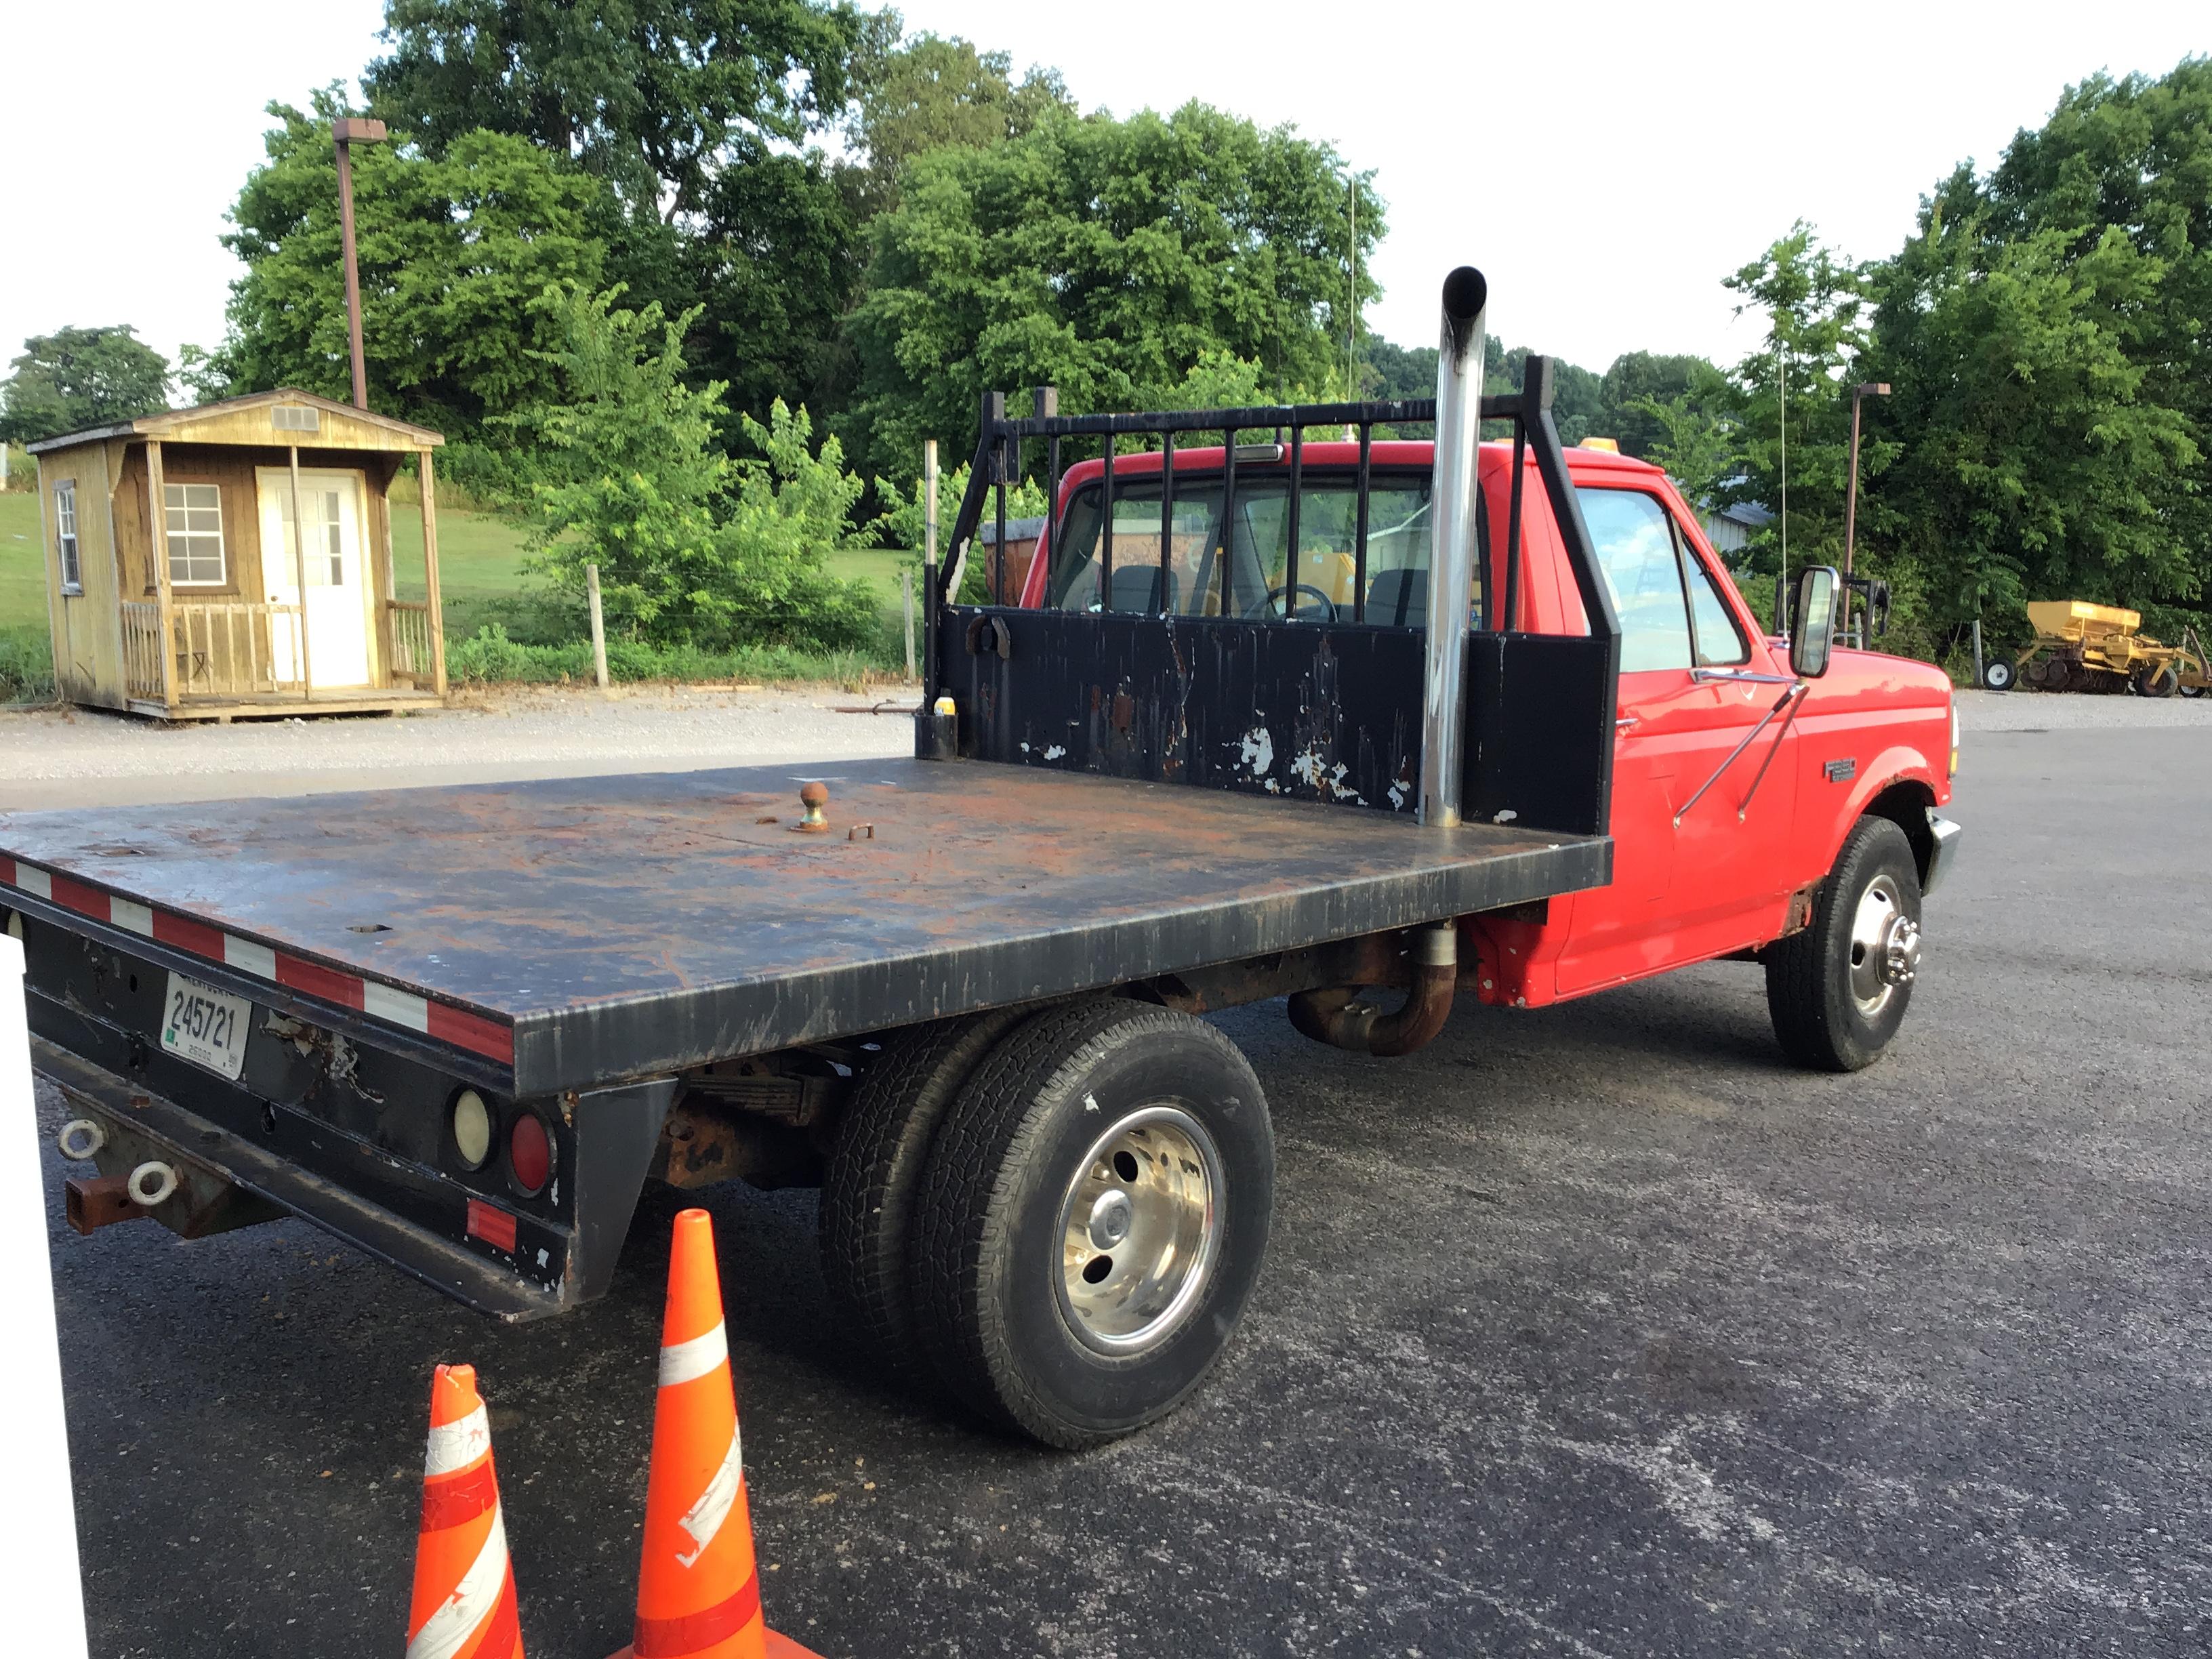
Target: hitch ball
pixel 814 796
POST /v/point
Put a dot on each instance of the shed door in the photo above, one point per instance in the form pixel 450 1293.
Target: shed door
pixel 337 601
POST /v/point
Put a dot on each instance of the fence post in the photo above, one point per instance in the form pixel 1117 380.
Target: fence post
pixel 906 602
pixel 1978 651
pixel 45 1594
pixel 598 626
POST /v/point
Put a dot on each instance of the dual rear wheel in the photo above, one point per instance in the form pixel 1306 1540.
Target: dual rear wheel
pixel 1056 1218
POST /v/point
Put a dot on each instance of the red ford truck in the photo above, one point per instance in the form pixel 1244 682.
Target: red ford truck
pixel 1739 785
pixel 1220 754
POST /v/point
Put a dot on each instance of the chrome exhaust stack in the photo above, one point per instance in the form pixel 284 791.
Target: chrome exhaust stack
pixel 1451 554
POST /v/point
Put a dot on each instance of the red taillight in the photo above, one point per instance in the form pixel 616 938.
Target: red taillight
pixel 529 1152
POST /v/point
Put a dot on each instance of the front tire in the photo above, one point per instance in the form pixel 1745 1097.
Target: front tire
pixel 2000 674
pixel 1096 1209
pixel 1837 991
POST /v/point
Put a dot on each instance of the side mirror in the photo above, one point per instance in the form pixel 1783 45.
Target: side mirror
pixel 1814 636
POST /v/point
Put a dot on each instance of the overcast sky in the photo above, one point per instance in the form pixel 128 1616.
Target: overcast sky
pixel 1605 165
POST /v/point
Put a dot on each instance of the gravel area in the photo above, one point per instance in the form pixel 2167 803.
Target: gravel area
pixel 85 757
pixel 2043 711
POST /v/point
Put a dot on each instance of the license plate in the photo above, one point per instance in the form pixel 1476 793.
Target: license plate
pixel 205 1026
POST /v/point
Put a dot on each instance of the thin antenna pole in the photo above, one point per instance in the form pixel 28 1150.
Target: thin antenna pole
pixel 1351 310
pixel 1782 420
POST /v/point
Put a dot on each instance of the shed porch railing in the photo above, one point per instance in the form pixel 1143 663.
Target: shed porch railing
pixel 240 648
pixel 410 640
pixel 220 648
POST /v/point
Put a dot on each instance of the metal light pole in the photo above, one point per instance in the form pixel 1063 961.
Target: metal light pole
pixel 1864 389
pixel 349 130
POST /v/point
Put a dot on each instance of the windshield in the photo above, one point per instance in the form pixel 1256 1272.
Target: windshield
pixel 1188 568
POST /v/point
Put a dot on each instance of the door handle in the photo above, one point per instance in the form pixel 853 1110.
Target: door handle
pixel 1623 722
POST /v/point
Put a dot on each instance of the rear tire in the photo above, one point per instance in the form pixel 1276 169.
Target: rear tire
pixel 1096 1212
pixel 2000 674
pixel 1834 1008
pixel 2162 680
pixel 875 1174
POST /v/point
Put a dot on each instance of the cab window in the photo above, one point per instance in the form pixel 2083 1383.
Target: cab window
pixel 1719 641
pixel 1634 540
pixel 1252 564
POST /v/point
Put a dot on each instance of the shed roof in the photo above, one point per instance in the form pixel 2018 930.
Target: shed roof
pixel 233 420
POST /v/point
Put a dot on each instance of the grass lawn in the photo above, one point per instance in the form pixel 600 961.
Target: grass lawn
pixel 22 570
pixel 479 559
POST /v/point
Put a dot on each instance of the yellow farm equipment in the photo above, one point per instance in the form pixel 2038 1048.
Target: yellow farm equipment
pixel 2080 646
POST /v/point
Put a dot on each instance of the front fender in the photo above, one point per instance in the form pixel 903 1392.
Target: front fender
pixel 1899 763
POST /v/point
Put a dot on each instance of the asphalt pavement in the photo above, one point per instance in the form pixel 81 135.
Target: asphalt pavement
pixel 1593 1331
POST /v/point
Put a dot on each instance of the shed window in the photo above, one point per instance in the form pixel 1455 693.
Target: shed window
pixel 194 515
pixel 65 531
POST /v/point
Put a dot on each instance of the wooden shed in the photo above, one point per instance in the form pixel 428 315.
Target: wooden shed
pixel 241 614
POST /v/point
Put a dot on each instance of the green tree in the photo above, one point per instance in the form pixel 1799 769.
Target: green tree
pixel 1792 403
pixel 692 546
pixel 1105 256
pixel 930 93
pixel 1578 404
pixel 2048 329
pixel 1390 371
pixel 76 378
pixel 772 264
pixel 693 112
pixel 452 250
pixel 1694 436
pixel 2037 463
pixel 649 95
pixel 2135 155
pixel 1638 379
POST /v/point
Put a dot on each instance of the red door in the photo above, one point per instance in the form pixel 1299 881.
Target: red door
pixel 1701 790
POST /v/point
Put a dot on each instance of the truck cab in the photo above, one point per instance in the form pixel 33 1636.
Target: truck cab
pixel 1737 782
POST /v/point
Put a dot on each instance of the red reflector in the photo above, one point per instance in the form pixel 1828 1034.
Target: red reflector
pixel 530 1153
pixel 493 1226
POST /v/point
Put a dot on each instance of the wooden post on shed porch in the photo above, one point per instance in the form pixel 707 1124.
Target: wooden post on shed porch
pixel 157 554
pixel 436 616
pixel 299 565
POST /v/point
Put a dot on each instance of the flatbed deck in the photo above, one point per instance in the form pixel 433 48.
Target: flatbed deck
pixel 575 933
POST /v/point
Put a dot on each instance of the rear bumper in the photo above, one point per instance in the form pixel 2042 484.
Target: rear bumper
pixel 189 1140
pixel 343 1131
pixel 1942 851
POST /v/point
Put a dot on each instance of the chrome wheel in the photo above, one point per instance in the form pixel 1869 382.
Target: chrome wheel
pixel 1885 946
pixel 1140 1229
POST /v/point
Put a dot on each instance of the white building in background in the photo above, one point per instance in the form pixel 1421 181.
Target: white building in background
pixel 1730 529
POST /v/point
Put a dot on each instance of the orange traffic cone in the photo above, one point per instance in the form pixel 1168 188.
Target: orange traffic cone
pixel 463 1605
pixel 698 1588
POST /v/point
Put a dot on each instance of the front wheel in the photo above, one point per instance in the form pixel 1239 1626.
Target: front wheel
pixel 1094 1219
pixel 1837 991
pixel 1999 674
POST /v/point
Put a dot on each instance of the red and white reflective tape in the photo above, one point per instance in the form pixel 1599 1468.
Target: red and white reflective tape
pixel 491 1038
pixel 473 1603
pixel 687 1362
pixel 453 1446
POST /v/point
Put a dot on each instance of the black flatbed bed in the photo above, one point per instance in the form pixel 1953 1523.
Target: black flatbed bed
pixel 621 928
